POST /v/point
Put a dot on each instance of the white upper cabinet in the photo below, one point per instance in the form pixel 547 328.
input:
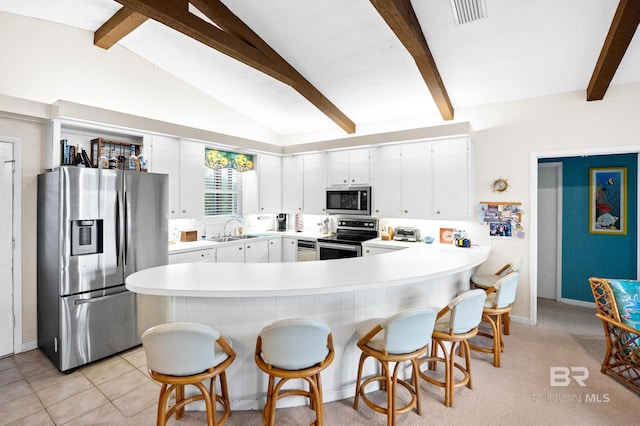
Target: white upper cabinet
pixel 424 180
pixel 292 184
pixel 269 183
pixel 452 179
pixel 416 187
pixel 183 161
pixel 191 179
pixel 350 167
pixel 314 183
pixel 165 158
pixel 387 181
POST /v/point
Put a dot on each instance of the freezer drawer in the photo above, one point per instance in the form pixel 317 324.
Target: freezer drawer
pixel 96 325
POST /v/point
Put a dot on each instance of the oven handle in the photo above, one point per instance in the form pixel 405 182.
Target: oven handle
pixel 338 246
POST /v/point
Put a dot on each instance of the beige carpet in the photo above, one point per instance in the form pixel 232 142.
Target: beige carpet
pixel 517 393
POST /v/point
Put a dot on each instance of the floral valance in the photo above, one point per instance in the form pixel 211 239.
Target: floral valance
pixel 217 159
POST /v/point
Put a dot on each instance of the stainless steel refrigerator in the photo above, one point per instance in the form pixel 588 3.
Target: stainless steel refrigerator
pixel 95 227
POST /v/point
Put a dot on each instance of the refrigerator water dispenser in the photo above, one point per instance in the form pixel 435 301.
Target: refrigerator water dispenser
pixel 86 237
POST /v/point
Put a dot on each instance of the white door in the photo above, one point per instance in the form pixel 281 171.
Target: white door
pixel 6 249
pixel 549 230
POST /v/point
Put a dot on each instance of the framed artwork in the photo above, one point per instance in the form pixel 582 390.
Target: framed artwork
pixel 446 235
pixel 608 200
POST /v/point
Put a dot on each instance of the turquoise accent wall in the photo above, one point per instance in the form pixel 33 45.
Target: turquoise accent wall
pixel 585 254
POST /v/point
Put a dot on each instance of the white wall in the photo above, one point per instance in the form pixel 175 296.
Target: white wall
pixel 45 62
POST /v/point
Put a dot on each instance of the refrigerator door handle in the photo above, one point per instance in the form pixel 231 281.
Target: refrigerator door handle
pixel 96 299
pixel 127 227
pixel 118 229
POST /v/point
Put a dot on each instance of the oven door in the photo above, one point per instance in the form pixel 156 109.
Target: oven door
pixel 328 251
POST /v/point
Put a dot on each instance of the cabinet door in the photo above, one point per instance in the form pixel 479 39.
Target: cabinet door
pixel 371 251
pixel 289 249
pixel 359 166
pixel 349 167
pixel 232 253
pixel 292 184
pixel 165 158
pixel 387 181
pixel 315 183
pixel 416 184
pixel 270 183
pixel 256 252
pixel 275 250
pixel 451 180
pixel 191 179
pixel 206 255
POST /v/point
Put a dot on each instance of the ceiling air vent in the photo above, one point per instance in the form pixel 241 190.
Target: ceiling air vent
pixel 466 11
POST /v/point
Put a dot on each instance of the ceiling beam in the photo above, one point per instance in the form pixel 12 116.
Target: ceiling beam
pixel 402 20
pixel 235 39
pixel 119 25
pixel 623 27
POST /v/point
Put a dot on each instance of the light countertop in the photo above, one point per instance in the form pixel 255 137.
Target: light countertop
pixel 207 279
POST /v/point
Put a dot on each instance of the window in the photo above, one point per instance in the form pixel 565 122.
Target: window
pixel 222 192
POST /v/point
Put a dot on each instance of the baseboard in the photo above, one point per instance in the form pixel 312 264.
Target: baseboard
pixel 579 303
pixel 29 346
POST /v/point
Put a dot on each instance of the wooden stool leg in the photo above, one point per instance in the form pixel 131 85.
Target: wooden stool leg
pixel 448 376
pixel 318 400
pixel 179 398
pixel 356 398
pixel 162 405
pixel 467 358
pixel 497 341
pixel 507 323
pixel 416 384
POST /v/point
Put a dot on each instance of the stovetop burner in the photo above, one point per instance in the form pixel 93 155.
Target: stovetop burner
pixel 353 230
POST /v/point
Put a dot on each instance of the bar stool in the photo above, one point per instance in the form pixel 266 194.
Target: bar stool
pixel 180 354
pixel 404 336
pixel 500 298
pixel 485 282
pixel 294 348
pixel 455 324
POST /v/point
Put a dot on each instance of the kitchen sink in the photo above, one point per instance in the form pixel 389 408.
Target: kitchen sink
pixel 221 239
pixel 232 238
pixel 242 237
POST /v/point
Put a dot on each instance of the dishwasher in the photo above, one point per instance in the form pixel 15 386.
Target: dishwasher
pixel 306 250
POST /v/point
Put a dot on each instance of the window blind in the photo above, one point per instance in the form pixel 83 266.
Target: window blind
pixel 222 192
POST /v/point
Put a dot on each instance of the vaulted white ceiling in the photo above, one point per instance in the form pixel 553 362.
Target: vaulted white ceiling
pixel 344 48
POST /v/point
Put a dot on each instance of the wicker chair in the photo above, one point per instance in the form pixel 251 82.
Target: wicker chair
pixel 622 359
pixel 393 341
pixel 294 348
pixel 485 282
pixel 181 354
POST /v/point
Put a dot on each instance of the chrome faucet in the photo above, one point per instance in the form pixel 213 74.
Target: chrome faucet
pixel 224 230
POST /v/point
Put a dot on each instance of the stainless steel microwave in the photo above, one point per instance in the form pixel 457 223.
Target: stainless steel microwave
pixel 349 200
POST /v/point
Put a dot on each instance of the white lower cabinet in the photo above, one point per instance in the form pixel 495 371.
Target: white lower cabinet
pixel 289 249
pixel 233 253
pixel 256 251
pixel 275 250
pixel 373 250
pixel 204 255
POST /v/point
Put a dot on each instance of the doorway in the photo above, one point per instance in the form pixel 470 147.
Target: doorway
pixel 7 247
pixel 550 230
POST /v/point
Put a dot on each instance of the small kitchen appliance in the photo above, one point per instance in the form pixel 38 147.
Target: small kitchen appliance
pixel 348 200
pixel 281 222
pixel 404 233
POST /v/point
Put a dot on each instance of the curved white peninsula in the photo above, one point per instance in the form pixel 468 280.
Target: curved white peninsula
pixel 240 298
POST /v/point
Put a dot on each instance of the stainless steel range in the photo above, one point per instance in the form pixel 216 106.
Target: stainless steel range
pixel 351 232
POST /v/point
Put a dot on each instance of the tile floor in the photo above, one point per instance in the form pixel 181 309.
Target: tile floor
pixel 116 390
